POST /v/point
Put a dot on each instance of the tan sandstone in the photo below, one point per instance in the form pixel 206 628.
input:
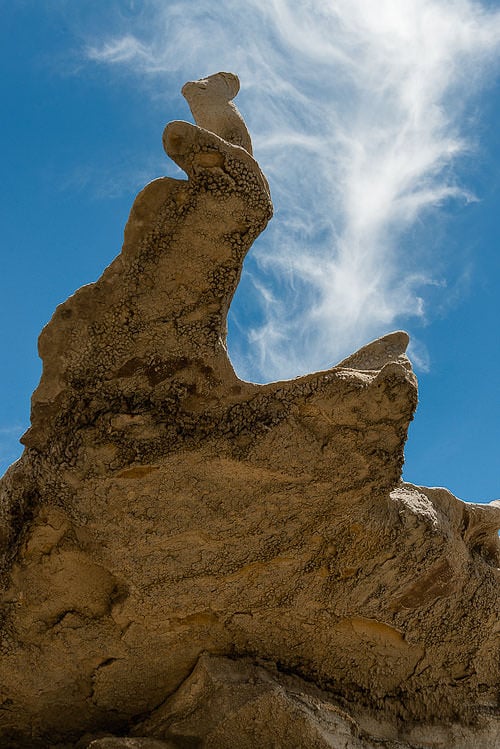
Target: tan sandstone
pixel 190 560
pixel 210 102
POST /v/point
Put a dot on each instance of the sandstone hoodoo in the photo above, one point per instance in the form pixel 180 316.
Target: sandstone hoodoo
pixel 190 560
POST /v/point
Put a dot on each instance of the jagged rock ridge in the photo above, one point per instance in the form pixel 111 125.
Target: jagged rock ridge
pixel 170 528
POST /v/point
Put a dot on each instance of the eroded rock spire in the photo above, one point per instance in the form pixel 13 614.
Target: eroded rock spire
pixel 164 509
pixel 210 101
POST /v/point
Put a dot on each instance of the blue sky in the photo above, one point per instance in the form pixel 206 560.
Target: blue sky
pixel 377 126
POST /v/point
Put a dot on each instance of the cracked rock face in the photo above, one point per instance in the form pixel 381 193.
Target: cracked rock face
pixel 170 526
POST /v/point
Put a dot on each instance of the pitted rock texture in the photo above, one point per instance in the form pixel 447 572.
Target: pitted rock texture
pixel 210 102
pixel 164 509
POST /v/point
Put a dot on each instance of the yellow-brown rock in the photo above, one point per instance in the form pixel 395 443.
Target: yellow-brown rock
pixel 165 511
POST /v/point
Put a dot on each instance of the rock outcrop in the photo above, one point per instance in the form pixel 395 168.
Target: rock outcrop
pixel 193 560
pixel 211 103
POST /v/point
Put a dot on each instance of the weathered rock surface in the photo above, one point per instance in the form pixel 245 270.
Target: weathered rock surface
pixel 234 703
pixel 163 509
pixel 210 102
pixel 116 742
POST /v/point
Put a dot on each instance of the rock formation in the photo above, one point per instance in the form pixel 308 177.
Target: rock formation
pixel 190 560
pixel 210 102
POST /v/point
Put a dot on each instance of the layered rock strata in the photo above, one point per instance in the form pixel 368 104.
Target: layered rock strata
pixel 195 560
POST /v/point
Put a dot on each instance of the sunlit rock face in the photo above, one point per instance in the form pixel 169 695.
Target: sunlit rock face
pixel 193 560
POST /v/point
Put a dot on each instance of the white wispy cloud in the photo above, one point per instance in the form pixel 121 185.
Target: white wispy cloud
pixel 122 49
pixel 357 111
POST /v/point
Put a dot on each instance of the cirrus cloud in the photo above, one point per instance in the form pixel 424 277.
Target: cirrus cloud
pixel 358 112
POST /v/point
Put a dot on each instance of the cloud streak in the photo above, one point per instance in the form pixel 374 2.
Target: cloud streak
pixel 357 114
